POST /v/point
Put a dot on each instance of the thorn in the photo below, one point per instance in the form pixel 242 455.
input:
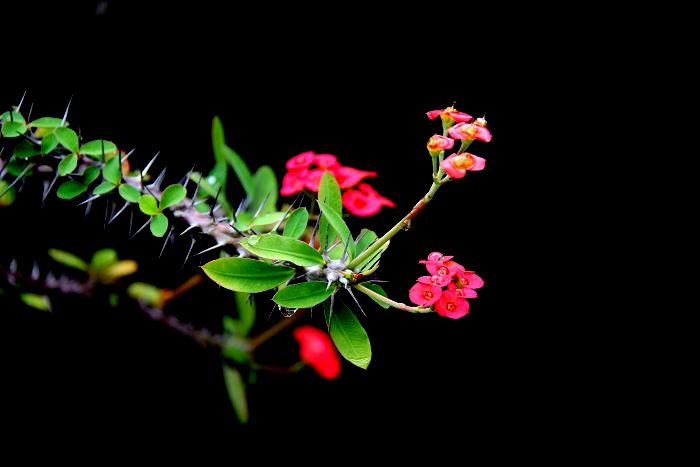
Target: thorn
pixel 325 245
pixel 126 156
pixel 48 190
pixel 29 115
pixel 330 313
pixel 88 208
pixel 241 207
pixel 19 177
pixel 312 240
pixel 148 166
pixel 188 253
pixel 142 227
pixel 218 245
pixel 131 222
pixel 159 179
pixel 89 200
pixel 65 114
pixel 144 186
pixel 13 266
pixel 274 305
pixel 196 191
pixel 213 206
pixel 345 250
pixel 35 272
pixel 108 213
pixel 289 209
pixel 186 180
pixel 188 229
pixel 239 232
pixel 19 106
pixel 165 242
pixel 262 205
pixel 356 302
pixel 126 205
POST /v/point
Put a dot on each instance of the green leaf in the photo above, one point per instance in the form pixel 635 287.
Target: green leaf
pixel 211 190
pixel 25 150
pixel 379 290
pixel 349 336
pixel 103 188
pixel 148 205
pixel 339 226
pixel 16 117
pixel 220 169
pixel 117 270
pixel 280 248
pixel 266 219
pixel 224 153
pixel 329 193
pixel 364 240
pixel 159 225
pixel 245 304
pixel 265 187
pixel 70 189
pixel 172 196
pixel 40 302
pixel 246 275
pixel 234 352
pixel 46 122
pixel 16 166
pixel 94 148
pixel 68 259
pixel 303 295
pixel 296 223
pixel 49 143
pixel 8 195
pixel 90 175
pixel 67 165
pixel 129 193
pixel 145 293
pixel 112 172
pixel 13 129
pixel 236 392
pixel 103 258
pixel 67 138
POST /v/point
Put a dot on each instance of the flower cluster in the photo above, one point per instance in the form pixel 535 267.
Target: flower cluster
pixel 463 127
pixel 447 287
pixel 317 350
pixel 304 172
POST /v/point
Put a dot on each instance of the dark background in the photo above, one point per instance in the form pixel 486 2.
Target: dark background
pixel 359 88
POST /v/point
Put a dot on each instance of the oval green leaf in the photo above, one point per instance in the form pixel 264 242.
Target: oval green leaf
pixel 303 295
pixel 40 302
pixel 90 175
pixel 12 116
pixel 13 129
pixel 265 189
pixel 129 193
pixel 145 293
pixel 339 226
pixel 7 194
pixel 236 392
pixel 67 165
pixel 148 205
pixel 49 143
pixel 68 138
pixel 25 150
pixel 246 275
pixel 103 258
pixel 329 193
pixel 94 148
pixel 70 189
pixel 68 259
pixel 118 270
pixel 172 196
pixel 103 188
pixel 364 240
pixel 281 248
pixel 112 172
pixel 46 122
pixel 245 305
pixel 159 224
pixel 296 223
pixel 349 336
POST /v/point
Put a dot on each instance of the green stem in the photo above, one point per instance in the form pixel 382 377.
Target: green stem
pixel 381 298
pixel 404 224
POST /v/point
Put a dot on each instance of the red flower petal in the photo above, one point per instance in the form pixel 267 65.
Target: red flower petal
pixel 348 176
pixel 424 294
pixel 451 306
pixel 317 350
pixel 301 161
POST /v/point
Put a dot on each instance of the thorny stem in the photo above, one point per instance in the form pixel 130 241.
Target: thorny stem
pixel 390 302
pixel 403 224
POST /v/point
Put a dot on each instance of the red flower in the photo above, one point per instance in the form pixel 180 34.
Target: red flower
pixel 440 280
pixel 438 143
pixel 293 182
pixel 317 350
pixel 301 161
pixel 348 177
pixel 442 268
pixel 325 161
pixel 450 115
pixel 424 294
pixel 451 305
pixel 463 292
pixel 470 131
pixel 469 279
pixel 364 200
pixel 457 165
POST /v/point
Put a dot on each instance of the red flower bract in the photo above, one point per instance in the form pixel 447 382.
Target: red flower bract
pixel 364 200
pixel 424 294
pixel 457 165
pixel 317 350
pixel 451 306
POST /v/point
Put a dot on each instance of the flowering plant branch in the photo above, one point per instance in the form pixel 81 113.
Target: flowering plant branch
pixel 305 255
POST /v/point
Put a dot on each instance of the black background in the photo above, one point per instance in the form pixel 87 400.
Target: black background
pixel 356 86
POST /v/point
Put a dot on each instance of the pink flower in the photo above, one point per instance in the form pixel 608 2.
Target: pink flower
pixel 293 182
pixel 437 256
pixel 438 143
pixel 457 165
pixel 301 161
pixel 364 200
pixel 440 280
pixel 317 350
pixel 424 294
pixel 348 177
pixel 470 131
pixel 313 179
pixel 442 268
pixel 461 292
pixel 469 279
pixel 325 161
pixel 451 305
pixel 450 113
